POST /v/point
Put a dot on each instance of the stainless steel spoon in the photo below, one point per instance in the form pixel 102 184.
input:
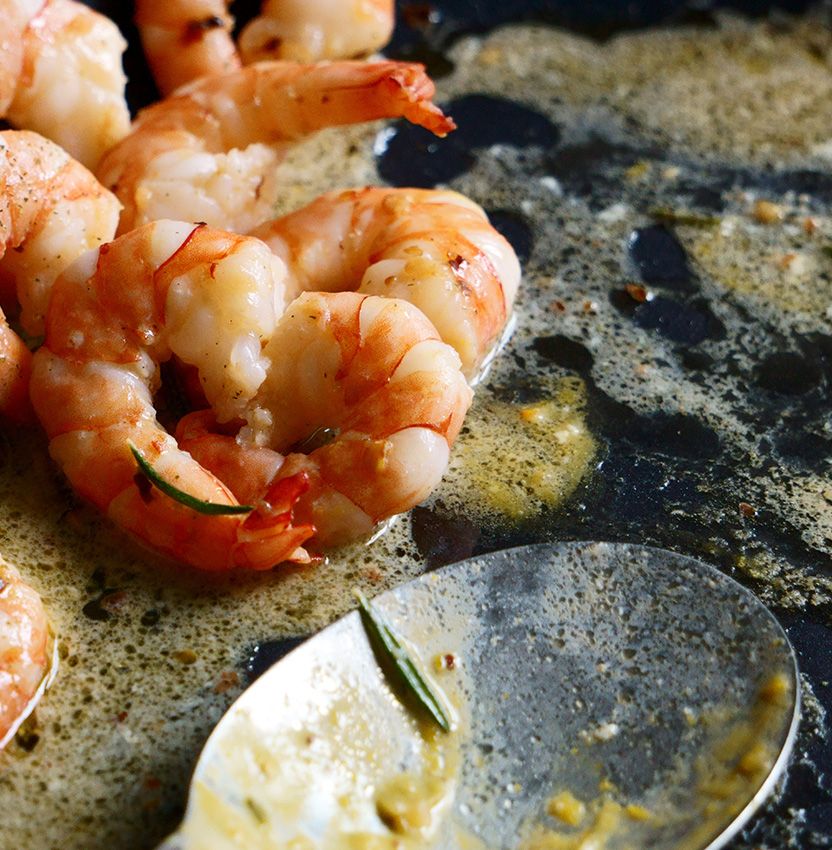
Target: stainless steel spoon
pixel 605 693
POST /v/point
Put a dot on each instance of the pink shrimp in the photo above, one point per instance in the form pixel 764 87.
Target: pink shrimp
pixel 24 650
pixel 61 75
pixel 51 211
pixel 183 158
pixel 369 370
pixel 324 29
pixel 186 39
pixel 15 371
pixel 435 249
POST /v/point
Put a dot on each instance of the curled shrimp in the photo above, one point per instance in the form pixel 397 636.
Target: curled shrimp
pixel 51 211
pixel 61 75
pixel 186 39
pixel 435 249
pixel 183 159
pixel 15 371
pixel 24 650
pixel 369 372
pixel 325 29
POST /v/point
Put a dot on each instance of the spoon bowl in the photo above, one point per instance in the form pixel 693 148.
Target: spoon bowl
pixel 607 692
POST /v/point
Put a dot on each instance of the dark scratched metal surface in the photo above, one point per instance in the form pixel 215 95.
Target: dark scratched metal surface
pixel 665 479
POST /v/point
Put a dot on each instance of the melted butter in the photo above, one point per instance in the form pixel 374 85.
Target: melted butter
pixel 755 93
pixel 320 767
pixel 776 267
pixel 551 451
pixel 734 761
pixel 606 824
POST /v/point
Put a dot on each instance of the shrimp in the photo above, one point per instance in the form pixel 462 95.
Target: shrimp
pixel 25 657
pixel 61 75
pixel 369 370
pixel 15 370
pixel 51 211
pixel 182 159
pixel 325 29
pixel 186 39
pixel 435 249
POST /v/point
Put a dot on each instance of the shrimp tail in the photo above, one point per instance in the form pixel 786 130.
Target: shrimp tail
pixel 180 145
pixel 416 90
pixel 268 536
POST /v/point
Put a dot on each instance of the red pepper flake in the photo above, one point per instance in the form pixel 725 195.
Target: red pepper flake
pixel 228 679
pixel 445 661
pixel 747 510
pixel 114 601
pixel 121 717
pixel 558 307
pixel 152 783
pixel 785 261
pixel 637 292
pixel 458 264
pixel 373 574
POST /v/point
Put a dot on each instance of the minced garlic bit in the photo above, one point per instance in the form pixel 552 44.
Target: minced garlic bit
pixel 567 808
pixel 767 212
pixel 775 688
pixel 636 812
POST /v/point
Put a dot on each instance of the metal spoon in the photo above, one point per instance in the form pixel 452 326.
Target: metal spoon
pixel 610 693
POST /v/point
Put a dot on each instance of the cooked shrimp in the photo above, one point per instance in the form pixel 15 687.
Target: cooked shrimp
pixel 324 29
pixel 186 39
pixel 15 370
pixel 183 159
pixel 435 249
pixel 61 75
pixel 51 211
pixel 370 369
pixel 365 385
pixel 24 650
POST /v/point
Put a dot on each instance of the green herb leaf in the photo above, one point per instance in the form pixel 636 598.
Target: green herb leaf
pixel 691 219
pixel 391 643
pixel 317 439
pixel 257 811
pixel 210 508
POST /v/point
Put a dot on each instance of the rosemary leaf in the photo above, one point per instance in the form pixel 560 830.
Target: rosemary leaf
pixel 691 219
pixel 389 641
pixel 210 508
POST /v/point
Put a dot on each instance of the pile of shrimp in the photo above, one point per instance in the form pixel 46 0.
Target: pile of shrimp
pixel 325 359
